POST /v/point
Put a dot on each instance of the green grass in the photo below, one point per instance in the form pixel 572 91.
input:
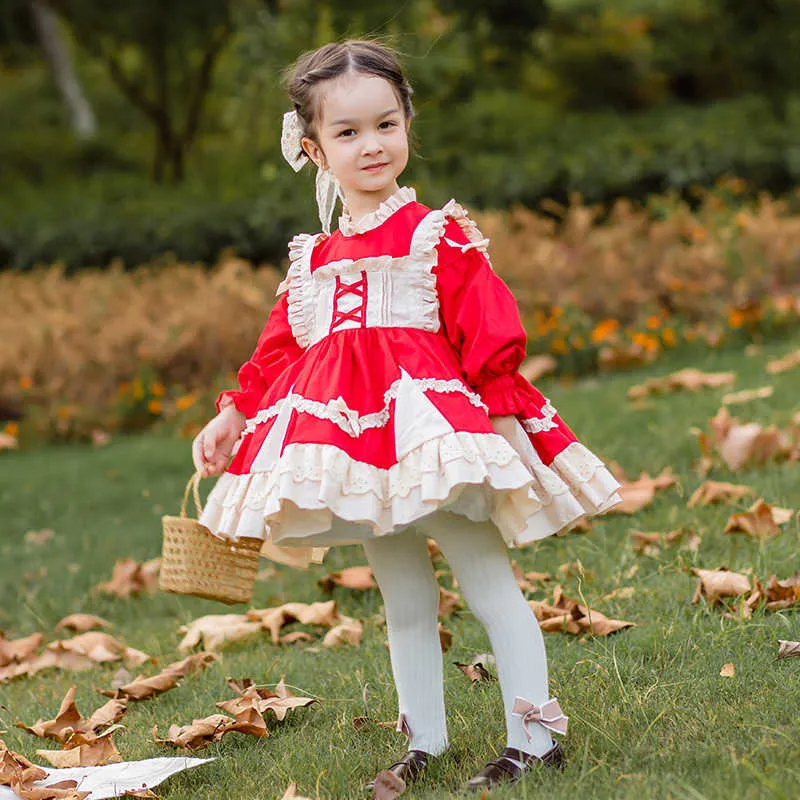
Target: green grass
pixel 650 715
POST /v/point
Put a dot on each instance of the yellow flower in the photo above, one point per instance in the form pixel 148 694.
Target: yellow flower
pixel 157 389
pixel 154 406
pixel 187 401
pixel 25 382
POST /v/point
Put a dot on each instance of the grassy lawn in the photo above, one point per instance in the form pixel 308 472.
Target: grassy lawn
pixel 651 717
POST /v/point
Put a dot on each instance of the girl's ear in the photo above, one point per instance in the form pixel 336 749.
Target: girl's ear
pixel 313 151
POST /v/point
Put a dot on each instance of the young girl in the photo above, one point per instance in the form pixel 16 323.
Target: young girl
pixel 382 405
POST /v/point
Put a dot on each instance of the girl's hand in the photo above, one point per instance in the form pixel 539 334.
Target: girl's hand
pixel 212 447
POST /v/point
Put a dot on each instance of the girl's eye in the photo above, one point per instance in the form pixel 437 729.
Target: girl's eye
pixel 388 123
pixel 347 132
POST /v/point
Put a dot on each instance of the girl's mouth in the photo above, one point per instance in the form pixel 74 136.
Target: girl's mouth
pixel 376 167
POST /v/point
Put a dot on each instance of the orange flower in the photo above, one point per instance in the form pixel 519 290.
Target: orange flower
pixel 154 406
pixel 578 342
pixel 12 429
pixel 64 412
pixel 604 329
pixel 123 388
pixel 559 346
pixel 653 322
pixel 668 337
pixel 735 318
pixel 645 341
pixel 157 389
pixel 25 382
pixel 698 233
pixel 187 401
pixel 138 389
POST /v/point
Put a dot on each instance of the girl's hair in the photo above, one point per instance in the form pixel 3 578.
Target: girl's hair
pixel 339 58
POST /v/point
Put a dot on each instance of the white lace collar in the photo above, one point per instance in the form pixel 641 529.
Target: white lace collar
pixel 404 195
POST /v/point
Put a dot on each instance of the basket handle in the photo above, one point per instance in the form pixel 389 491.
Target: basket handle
pixel 193 484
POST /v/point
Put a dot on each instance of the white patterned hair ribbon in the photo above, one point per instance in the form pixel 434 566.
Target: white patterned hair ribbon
pixel 291 141
pixel 327 187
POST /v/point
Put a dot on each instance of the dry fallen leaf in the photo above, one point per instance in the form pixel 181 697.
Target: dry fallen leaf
pixel 100 648
pixel 82 623
pixel 477 669
pixel 388 786
pixel 214 630
pixel 273 619
pixel 349 631
pixel 449 602
pixel 718 583
pixel 132 578
pixel 445 638
pixel 727 671
pixel 566 615
pixel 640 493
pixel 761 521
pixel 141 688
pixel 84 750
pixel 198 734
pixel 689 379
pixel 18 650
pixel 788 649
pixel 69 720
pixel 291 793
pixel 651 543
pixel 783 364
pixel 359 578
pixel 739 444
pixel 746 395
pixel 718 492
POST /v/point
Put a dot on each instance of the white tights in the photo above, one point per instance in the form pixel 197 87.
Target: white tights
pixel 478 558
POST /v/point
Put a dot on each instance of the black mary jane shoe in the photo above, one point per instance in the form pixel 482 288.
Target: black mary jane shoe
pixel 505 770
pixel 408 768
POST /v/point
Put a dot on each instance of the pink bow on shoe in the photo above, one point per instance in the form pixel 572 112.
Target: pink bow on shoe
pixel 548 715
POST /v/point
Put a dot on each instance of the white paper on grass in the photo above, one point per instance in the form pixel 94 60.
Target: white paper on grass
pixel 113 780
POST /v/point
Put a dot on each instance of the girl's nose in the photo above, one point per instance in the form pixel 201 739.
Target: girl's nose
pixel 371 143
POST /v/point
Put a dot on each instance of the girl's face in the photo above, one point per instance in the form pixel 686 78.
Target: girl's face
pixel 362 138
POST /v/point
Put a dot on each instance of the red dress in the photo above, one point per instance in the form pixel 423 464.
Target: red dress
pixel 384 387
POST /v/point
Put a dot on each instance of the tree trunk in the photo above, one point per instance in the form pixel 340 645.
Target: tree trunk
pixel 82 117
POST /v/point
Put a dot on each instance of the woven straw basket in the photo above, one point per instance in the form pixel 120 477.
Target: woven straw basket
pixel 194 561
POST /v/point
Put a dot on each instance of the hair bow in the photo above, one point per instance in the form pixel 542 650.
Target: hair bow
pixel 327 187
pixel 291 141
pixel 548 715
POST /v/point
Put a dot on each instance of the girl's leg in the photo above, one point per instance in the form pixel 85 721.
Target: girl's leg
pixel 479 559
pixel 403 570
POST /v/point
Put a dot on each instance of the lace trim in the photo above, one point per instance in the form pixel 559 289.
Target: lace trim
pixel 476 239
pixel 541 424
pixel 349 420
pixel 349 227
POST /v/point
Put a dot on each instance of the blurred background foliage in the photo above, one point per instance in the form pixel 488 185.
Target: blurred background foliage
pixel 516 102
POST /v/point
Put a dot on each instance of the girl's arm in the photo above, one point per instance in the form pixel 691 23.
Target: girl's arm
pixel 275 351
pixel 481 320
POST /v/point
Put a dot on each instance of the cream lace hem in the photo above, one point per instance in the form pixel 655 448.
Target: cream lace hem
pixel 315 486
pixel 350 227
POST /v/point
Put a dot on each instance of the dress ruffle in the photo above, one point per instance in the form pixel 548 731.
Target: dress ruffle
pixel 480 476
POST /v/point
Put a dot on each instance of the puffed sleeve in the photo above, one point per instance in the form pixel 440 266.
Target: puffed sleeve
pixel 481 320
pixel 276 350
